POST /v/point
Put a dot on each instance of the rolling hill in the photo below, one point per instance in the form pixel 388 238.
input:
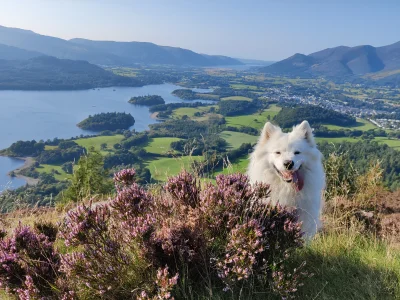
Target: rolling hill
pixel 108 52
pixel 342 62
pixel 13 53
pixel 50 73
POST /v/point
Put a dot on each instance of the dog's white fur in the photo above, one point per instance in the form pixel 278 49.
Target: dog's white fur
pixel 308 200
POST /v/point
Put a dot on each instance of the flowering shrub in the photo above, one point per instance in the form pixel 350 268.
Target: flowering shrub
pixel 28 264
pixel 183 242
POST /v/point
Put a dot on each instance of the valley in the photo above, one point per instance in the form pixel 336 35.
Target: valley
pixel 199 150
pixel 262 96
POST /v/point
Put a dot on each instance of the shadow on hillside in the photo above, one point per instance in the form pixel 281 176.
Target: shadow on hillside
pixel 341 277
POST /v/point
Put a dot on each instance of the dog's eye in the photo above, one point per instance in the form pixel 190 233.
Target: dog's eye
pixel 277 152
pixel 296 152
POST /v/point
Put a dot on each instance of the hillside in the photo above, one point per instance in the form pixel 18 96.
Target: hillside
pixel 149 53
pixel 108 52
pixel 13 53
pixel 340 61
pixel 50 73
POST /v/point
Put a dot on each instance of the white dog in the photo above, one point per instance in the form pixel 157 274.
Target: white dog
pixel 292 165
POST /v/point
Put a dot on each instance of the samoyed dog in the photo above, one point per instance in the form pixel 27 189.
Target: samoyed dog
pixel 292 165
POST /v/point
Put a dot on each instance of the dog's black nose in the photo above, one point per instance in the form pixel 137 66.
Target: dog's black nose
pixel 289 164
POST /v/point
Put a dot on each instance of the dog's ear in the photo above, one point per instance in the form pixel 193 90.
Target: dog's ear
pixel 268 131
pixel 304 130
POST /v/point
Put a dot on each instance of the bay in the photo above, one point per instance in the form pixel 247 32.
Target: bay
pixel 42 115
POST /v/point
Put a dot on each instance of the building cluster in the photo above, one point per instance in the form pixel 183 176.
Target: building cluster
pixel 288 95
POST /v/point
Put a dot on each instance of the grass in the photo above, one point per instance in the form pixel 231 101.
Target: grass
pixel 160 145
pixel 48 147
pixel 236 139
pixel 338 140
pixel 98 140
pixel 127 72
pixel 362 124
pixel 164 167
pixel 256 120
pixel 349 265
pixel 243 87
pixel 48 169
pixel 383 74
pixel 190 111
pixel 390 142
pixel 239 166
pixel 237 98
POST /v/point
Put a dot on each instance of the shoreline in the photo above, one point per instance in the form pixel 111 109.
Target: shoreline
pixel 28 162
pixel 154 115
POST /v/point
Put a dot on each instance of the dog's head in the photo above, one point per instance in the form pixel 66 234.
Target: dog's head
pixel 289 153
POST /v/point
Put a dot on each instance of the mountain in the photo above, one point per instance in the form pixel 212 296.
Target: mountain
pixel 341 62
pixel 108 52
pixel 50 73
pixel 12 53
pixel 149 53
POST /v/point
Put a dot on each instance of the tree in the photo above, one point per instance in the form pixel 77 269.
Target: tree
pixel 89 178
pixel 67 167
pixel 103 146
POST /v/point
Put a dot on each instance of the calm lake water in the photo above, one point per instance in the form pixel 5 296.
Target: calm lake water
pixel 28 115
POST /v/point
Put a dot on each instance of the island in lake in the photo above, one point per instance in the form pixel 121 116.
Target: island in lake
pixel 148 100
pixel 107 121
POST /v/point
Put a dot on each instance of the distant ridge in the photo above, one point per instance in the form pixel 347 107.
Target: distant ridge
pixel 342 62
pixel 14 53
pixel 255 61
pixel 106 52
pixel 50 73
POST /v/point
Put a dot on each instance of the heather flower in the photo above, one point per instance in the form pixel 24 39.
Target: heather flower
pixel 48 229
pixel 132 209
pixel 177 244
pixel 136 246
pixel 183 187
pixel 124 178
pixel 30 292
pixel 131 202
pixel 28 264
pixel 84 225
pixel 164 285
pixel 246 242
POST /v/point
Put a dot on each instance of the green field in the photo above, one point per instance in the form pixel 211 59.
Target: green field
pixel 164 167
pixel 98 140
pixel 236 139
pixel 48 169
pixel 361 125
pixel 190 111
pixel 48 147
pixel 127 72
pixel 255 120
pixel 236 98
pixel 337 140
pixel 239 166
pixel 160 145
pixel 243 87
pixel 390 142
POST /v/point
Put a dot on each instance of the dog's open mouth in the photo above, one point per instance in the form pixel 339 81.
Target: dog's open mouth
pixel 293 177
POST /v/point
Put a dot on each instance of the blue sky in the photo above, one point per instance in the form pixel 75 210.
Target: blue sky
pixel 258 29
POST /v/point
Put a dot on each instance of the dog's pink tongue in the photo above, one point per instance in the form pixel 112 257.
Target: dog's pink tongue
pixel 297 181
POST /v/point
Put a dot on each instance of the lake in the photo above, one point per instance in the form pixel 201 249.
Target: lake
pixel 28 115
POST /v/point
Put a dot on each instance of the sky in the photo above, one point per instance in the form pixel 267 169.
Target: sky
pixel 254 29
